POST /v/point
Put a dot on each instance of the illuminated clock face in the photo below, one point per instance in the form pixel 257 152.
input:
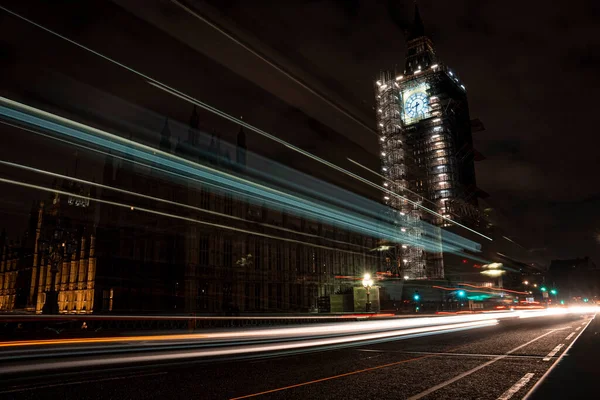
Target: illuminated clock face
pixel 417 105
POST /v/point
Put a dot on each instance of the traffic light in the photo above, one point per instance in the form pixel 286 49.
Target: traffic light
pixel 416 296
pixel 553 291
pixel 461 293
pixel 586 300
pixel 543 288
pixel 562 302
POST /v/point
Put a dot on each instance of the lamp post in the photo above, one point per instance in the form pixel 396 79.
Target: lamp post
pixel 55 248
pixel 367 283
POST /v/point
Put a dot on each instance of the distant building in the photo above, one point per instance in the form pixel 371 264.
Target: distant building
pixel 426 148
pixel 575 278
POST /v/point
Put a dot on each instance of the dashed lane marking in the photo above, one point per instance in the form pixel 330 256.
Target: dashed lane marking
pixel 516 387
pixel 570 336
pixel 436 353
pixel 469 372
pixel 553 352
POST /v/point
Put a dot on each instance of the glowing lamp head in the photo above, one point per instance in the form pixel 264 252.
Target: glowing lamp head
pixel 367 281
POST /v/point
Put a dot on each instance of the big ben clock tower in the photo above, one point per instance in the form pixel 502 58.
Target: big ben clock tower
pixel 426 150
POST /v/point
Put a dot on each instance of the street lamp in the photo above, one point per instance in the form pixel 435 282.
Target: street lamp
pixel 55 248
pixel 367 283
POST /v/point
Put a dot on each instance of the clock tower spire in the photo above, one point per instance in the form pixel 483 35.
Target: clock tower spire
pixel 420 53
pixel 426 153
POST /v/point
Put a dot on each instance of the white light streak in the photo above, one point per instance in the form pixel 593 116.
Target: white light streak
pixel 207 107
pixel 415 203
pixel 116 204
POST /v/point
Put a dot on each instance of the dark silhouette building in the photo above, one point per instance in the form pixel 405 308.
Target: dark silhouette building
pixel 575 279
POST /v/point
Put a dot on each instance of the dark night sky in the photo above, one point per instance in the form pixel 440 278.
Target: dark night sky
pixel 530 69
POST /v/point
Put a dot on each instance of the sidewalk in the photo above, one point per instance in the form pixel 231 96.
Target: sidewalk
pixel 577 374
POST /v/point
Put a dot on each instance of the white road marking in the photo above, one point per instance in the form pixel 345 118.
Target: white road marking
pixel 553 352
pixel 516 387
pixel 436 353
pixel 578 328
pixel 564 353
pixel 570 336
pixel 469 372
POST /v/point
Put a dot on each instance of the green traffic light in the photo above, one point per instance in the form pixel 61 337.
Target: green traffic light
pixel 461 293
pixel 553 291
pixel 543 288
pixel 586 300
pixel 416 297
pixel 563 302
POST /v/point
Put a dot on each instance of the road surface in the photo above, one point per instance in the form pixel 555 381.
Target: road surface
pixel 499 361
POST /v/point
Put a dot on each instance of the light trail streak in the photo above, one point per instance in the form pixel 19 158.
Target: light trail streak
pixel 270 63
pixel 225 180
pixel 243 350
pixel 346 328
pixel 184 177
pixel 306 331
pixel 492 288
pixel 222 180
pixel 198 103
pixel 146 210
pixel 161 200
pixel 451 289
pixel 207 107
pixel 415 203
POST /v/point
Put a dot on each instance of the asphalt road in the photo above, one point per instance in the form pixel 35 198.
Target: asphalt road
pixel 501 361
